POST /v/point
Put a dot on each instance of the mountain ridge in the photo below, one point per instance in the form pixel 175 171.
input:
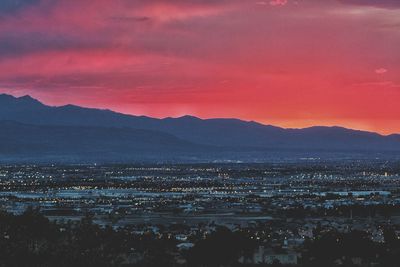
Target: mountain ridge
pixel 28 98
pixel 230 136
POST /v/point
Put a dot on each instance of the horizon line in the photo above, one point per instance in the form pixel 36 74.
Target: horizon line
pixel 202 118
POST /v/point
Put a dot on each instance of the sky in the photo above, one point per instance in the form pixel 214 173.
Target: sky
pixel 291 63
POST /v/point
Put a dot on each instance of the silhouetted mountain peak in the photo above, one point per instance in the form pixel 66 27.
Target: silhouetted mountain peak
pixel 183 118
pixel 189 117
pixel 4 98
pixel 27 98
pixel 70 106
pixel 23 101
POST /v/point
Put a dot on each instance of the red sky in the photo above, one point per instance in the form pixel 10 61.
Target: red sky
pixel 283 62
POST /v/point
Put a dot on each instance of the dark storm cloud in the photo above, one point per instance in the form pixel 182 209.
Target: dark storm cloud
pixel 20 44
pixel 11 6
pixel 130 19
pixel 374 3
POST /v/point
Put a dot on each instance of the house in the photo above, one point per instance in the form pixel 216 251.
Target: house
pixel 268 256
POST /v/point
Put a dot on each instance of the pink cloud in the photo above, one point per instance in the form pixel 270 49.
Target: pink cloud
pixel 381 71
pixel 278 2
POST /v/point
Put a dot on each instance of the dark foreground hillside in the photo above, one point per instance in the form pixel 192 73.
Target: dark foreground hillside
pixel 32 240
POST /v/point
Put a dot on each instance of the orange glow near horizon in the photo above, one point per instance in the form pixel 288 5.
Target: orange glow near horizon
pixel 294 63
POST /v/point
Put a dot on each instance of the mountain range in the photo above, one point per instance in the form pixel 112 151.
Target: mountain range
pixel 33 131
